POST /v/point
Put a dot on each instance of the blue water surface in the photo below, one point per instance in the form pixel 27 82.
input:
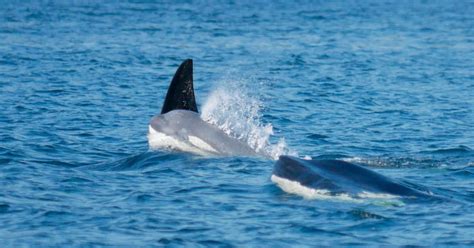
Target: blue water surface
pixel 388 84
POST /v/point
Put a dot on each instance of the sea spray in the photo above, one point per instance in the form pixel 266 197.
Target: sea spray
pixel 236 109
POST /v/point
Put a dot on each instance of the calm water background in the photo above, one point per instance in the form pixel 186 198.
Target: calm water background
pixel 389 85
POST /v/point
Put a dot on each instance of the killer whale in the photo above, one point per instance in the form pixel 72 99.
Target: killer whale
pixel 338 177
pixel 180 127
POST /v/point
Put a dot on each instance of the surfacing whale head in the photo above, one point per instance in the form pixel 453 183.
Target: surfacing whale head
pixel 180 127
pixel 335 177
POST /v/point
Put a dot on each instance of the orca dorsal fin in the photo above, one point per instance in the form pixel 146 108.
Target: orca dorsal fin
pixel 181 92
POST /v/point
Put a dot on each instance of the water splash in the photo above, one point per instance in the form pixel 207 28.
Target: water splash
pixel 237 111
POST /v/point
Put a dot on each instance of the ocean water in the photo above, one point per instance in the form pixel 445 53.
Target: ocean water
pixel 385 84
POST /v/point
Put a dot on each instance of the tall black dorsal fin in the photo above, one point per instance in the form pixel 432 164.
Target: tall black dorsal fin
pixel 181 92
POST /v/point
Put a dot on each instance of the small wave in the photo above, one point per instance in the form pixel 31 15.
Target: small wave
pixel 317 136
pixel 4 208
pixel 467 171
pixel 363 214
pixel 134 162
pixel 452 151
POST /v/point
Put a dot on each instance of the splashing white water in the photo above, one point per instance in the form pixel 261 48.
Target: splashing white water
pixel 235 110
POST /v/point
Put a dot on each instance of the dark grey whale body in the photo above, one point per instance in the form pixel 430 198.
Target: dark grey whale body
pixel 339 177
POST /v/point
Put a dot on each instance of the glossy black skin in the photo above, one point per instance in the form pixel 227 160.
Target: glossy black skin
pixel 339 177
pixel 181 91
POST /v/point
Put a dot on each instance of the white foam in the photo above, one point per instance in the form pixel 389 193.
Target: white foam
pixel 353 159
pixel 236 110
pixel 371 195
pixel 376 162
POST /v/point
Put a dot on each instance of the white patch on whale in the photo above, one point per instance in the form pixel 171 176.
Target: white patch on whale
pixel 296 188
pixel 201 144
pixel 158 140
pixel 293 187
